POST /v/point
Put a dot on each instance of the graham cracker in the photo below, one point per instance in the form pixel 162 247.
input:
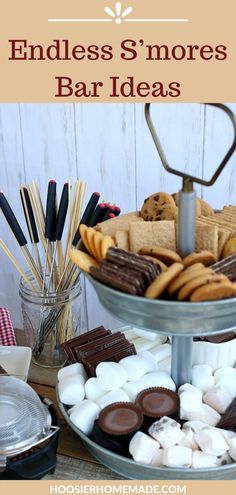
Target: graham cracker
pixel 207 238
pixel 161 234
pixel 110 227
pixel 122 239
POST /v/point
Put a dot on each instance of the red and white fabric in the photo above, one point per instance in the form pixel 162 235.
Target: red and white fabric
pixel 7 334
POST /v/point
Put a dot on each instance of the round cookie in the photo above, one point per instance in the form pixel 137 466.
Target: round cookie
pixel 83 260
pixel 229 248
pixel 159 206
pixel 186 291
pixel 205 257
pixel 166 255
pixel 206 209
pixel 213 291
pixel 188 276
pixel 162 281
pixel 157 262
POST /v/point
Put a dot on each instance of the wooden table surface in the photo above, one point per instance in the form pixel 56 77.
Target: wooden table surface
pixel 74 461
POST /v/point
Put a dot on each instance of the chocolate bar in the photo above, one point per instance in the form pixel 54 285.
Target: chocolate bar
pixel 114 353
pixel 85 338
pixel 86 350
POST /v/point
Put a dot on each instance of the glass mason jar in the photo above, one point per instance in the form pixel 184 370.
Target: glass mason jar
pixel 49 320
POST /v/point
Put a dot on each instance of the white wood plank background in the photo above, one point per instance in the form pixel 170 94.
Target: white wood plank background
pixel 110 147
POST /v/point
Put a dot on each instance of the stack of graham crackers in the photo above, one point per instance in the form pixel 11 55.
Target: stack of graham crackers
pixel 131 232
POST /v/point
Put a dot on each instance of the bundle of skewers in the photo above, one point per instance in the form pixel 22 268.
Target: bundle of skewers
pixel 49 269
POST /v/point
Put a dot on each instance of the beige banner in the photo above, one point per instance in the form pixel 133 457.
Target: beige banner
pixel 159 487
pixel 132 51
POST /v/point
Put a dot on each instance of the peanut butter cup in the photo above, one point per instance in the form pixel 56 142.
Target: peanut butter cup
pixel 156 402
pixel 120 418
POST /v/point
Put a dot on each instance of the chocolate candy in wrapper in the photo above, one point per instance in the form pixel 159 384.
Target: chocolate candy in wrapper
pixel 121 419
pixel 228 419
pixel 157 402
pixel 90 336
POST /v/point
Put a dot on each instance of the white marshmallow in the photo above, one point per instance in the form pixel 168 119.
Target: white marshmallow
pixel 111 397
pixel 129 333
pixel 205 414
pixel 202 377
pixel 143 448
pixel 201 460
pixel 218 398
pixel 93 390
pixel 189 439
pixel 136 366
pixel 187 387
pixel 211 441
pixel 111 375
pixel 190 403
pixel 72 409
pixel 165 365
pixel 157 460
pixel 222 372
pixel 152 365
pixel 154 379
pixel 145 334
pixel 224 459
pixel 227 434
pixel 229 384
pixel 72 369
pixel 232 448
pixel 195 426
pixel 145 344
pixel 161 352
pixel 177 456
pixel 71 390
pixel 166 431
pixel 84 416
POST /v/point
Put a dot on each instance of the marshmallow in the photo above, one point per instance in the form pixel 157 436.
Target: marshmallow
pixel 145 344
pixel 84 416
pixel 187 387
pixel 143 448
pixel 195 426
pixel 177 456
pixel 111 375
pixel 224 459
pixel 190 403
pixel 228 383
pixel 201 460
pixel 71 409
pixel 161 352
pixel 129 333
pixel 166 431
pixel 72 369
pixel 136 366
pixel 154 379
pixel 188 439
pixel 222 372
pixel 211 441
pixel 205 414
pixel 157 460
pixel 71 389
pixel 152 365
pixel 111 397
pixel 165 365
pixel 202 377
pixel 152 336
pixel 218 398
pixel 232 448
pixel 93 390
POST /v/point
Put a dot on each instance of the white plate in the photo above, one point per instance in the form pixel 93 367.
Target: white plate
pixel 16 360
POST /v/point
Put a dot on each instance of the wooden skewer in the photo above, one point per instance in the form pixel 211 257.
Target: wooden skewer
pixel 16 264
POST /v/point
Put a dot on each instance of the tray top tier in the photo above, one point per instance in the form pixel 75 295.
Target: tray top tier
pixel 168 317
